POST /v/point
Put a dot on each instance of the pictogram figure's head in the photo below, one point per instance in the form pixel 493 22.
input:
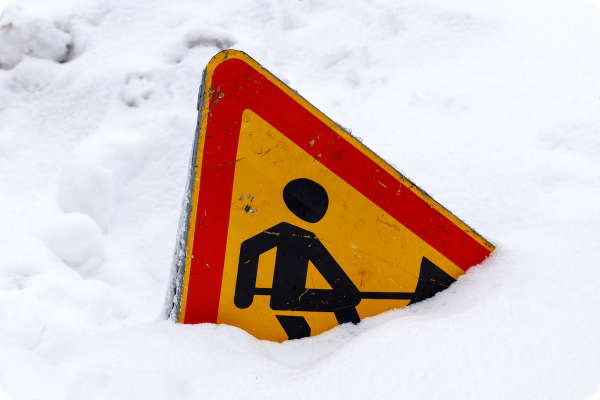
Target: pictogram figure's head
pixel 306 199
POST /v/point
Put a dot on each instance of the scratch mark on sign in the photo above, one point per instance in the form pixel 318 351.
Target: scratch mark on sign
pixel 271 233
pixel 303 294
pixel 332 143
pixel 393 226
pixel 220 165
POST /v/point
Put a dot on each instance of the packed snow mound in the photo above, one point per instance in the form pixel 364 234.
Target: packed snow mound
pixel 490 107
pixel 76 239
pixel 22 34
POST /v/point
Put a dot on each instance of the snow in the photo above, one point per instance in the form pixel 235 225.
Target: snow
pixel 492 107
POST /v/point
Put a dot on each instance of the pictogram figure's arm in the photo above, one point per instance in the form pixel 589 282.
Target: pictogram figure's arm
pixel 329 268
pixel 344 292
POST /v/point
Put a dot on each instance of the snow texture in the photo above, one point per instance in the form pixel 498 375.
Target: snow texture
pixel 492 107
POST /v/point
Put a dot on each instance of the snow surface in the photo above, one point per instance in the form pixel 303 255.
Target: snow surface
pixel 492 107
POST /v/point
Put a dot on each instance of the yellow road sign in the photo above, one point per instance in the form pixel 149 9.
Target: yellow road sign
pixel 293 226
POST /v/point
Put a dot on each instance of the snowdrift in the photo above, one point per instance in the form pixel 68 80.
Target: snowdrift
pixel 493 108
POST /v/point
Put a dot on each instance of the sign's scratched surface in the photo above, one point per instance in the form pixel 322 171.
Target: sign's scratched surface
pixel 294 226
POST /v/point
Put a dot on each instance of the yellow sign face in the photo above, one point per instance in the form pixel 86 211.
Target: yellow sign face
pixel 353 230
pixel 294 226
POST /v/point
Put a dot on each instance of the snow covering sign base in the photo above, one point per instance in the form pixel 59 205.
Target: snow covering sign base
pixel 291 226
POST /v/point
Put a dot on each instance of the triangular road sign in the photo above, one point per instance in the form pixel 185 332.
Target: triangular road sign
pixel 291 226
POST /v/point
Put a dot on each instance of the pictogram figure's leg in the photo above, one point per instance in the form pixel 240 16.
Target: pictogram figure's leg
pixel 294 327
pixel 347 314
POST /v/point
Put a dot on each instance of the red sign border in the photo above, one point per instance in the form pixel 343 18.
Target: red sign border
pixel 234 82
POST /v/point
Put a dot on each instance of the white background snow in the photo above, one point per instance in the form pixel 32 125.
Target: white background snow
pixel 492 107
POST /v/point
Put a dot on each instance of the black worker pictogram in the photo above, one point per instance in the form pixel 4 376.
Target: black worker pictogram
pixel 296 247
